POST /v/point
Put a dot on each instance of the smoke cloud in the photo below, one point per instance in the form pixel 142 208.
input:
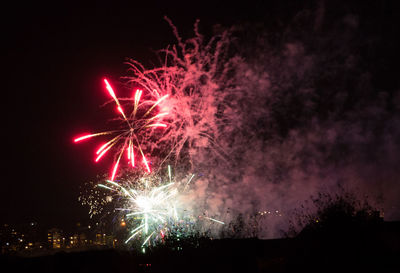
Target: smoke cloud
pixel 267 120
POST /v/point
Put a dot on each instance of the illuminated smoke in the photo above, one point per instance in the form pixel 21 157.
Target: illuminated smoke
pixel 270 124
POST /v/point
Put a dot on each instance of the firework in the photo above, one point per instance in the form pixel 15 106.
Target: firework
pixel 134 131
pixel 94 198
pixel 153 208
pixel 198 106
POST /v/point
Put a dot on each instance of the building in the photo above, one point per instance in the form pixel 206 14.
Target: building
pixel 55 238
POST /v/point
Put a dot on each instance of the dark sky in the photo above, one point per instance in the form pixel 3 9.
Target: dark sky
pixel 53 65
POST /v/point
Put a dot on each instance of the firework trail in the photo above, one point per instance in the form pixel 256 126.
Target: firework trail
pixel 134 131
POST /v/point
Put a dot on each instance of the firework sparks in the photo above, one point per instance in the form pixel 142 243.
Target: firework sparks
pixel 134 132
pixel 215 220
pixel 153 208
pixel 198 108
pixel 94 198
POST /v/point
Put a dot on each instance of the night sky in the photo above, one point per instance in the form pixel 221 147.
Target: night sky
pixel 54 60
